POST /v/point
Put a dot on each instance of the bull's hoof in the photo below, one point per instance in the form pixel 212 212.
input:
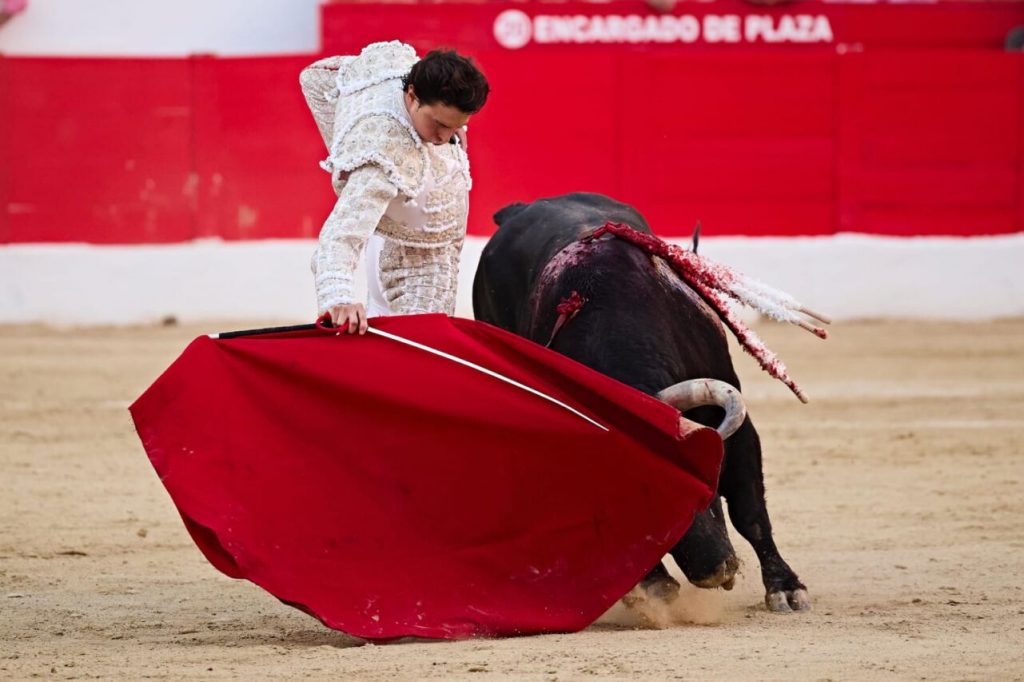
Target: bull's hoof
pixel 724 576
pixel 664 590
pixel 787 602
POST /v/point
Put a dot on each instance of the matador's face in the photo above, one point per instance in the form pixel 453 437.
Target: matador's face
pixel 436 123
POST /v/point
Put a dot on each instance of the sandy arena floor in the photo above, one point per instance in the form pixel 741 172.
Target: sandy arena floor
pixel 897 495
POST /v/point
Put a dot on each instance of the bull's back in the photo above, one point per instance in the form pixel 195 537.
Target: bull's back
pixel 641 324
pixel 528 237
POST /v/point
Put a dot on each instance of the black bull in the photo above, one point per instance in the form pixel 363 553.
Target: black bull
pixel 642 326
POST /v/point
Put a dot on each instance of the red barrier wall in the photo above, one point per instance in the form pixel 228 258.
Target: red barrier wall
pixel 97 150
pixel 256 151
pixel 855 24
pixel 130 150
pixel 750 139
pixel 930 142
pixel 6 158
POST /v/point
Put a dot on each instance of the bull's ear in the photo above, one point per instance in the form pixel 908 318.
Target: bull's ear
pixel 508 213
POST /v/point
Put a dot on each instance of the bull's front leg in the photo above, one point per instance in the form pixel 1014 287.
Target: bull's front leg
pixel 657 584
pixel 742 485
pixel 705 554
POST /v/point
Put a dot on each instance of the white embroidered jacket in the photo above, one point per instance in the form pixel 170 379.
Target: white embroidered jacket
pixel 388 181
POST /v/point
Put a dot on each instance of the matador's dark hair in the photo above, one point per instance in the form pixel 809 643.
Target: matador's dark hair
pixel 447 77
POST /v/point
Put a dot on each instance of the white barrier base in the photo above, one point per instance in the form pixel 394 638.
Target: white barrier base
pixel 846 276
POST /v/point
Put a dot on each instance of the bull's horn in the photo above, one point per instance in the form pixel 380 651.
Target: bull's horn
pixel 687 395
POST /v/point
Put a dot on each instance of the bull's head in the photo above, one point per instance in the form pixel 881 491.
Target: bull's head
pixel 687 395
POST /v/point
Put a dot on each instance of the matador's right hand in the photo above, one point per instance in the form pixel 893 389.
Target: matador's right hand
pixel 351 315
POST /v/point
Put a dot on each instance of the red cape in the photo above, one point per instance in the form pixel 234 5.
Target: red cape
pixel 390 492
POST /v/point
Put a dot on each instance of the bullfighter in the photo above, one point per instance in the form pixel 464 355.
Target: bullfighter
pixel 394 126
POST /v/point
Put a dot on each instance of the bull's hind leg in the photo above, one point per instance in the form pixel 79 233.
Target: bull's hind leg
pixel 742 485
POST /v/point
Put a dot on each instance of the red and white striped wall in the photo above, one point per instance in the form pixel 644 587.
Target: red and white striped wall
pixel 869 158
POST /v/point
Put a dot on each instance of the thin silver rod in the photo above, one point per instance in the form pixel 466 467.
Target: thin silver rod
pixel 486 371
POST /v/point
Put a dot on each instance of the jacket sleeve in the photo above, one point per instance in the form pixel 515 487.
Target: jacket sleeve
pixel 360 206
pixel 319 87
